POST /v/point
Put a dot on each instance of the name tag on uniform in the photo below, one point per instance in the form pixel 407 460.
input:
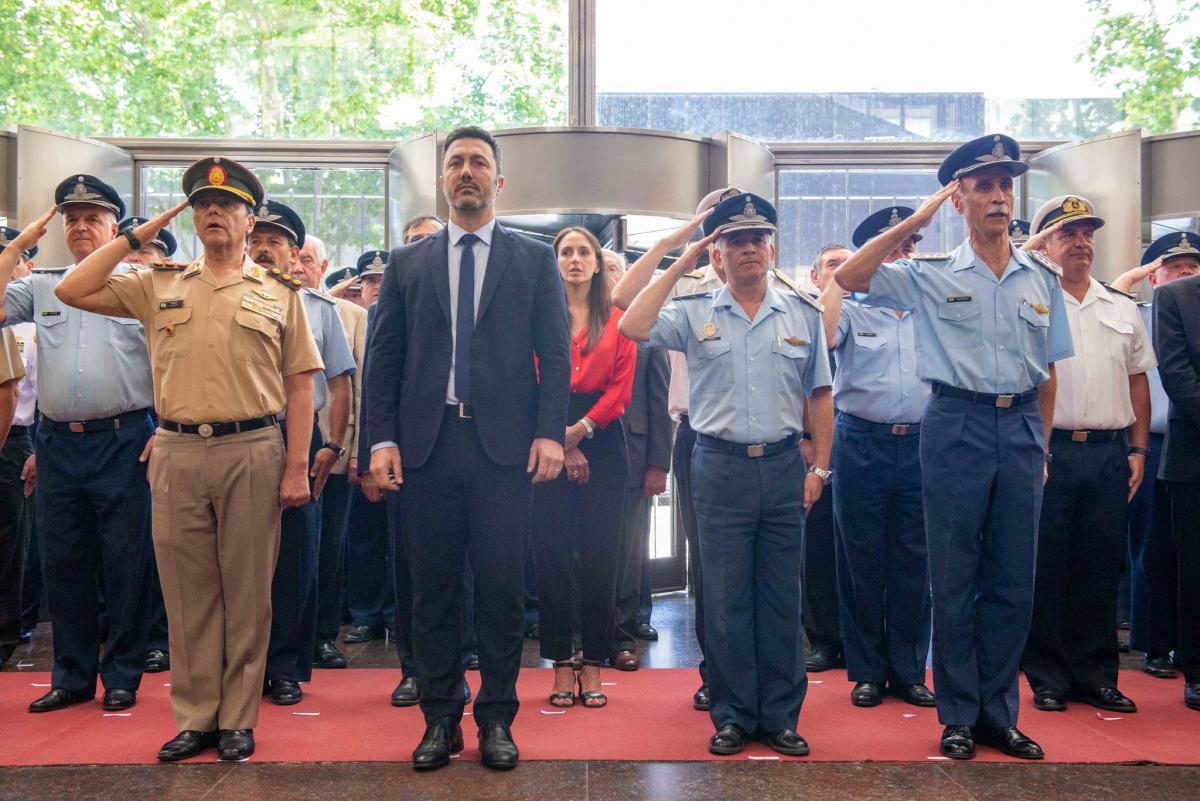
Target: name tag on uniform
pixel 171 304
pixel 51 314
pixel 255 305
pixel 959 299
pixel 867 334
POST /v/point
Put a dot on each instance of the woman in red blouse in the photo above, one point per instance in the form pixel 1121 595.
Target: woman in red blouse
pixel 581 511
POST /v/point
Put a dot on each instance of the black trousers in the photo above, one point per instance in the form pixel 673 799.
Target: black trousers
pixel 369 593
pixel 14 534
pixel 331 558
pixel 685 517
pixel 1185 527
pixel 93 512
pixel 1152 576
pixel 460 502
pixel 1081 539
pixel 634 532
pixel 568 520
pixel 819 611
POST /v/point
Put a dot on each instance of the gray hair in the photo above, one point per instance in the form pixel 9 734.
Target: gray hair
pixel 318 247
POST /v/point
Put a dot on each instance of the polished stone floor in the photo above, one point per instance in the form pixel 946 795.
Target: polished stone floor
pixel 592 781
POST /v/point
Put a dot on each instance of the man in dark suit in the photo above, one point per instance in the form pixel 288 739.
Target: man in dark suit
pixel 1177 344
pixel 461 415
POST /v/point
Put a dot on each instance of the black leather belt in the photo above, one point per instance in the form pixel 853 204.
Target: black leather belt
pixel 104 424
pixel 218 429
pixel 1090 435
pixel 985 398
pixel 893 429
pixel 751 451
pixel 460 411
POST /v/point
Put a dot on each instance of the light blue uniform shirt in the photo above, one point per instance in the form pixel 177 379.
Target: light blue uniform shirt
pixel 747 378
pixel 877 377
pixel 331 344
pixel 976 331
pixel 89 366
pixel 1159 403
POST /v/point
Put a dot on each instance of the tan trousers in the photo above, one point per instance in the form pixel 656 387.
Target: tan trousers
pixel 216 538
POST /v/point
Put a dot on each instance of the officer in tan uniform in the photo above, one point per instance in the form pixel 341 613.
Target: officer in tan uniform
pixel 229 346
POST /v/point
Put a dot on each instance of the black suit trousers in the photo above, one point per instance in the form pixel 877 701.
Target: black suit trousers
pixel 459 503
pixel 1185 526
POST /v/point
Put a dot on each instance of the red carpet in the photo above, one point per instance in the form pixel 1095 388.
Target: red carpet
pixel 345 717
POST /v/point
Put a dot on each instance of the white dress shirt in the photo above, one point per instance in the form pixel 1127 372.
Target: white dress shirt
pixel 1111 344
pixel 26 334
pixel 482 248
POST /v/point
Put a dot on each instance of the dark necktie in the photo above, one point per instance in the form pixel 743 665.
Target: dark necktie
pixel 464 327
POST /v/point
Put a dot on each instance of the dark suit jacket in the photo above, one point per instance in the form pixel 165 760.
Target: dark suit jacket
pixel 1177 344
pixel 522 313
pixel 647 423
pixel 364 437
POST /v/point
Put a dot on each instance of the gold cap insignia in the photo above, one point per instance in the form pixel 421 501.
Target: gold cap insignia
pixel 217 176
pixel 377 262
pixel 748 210
pixel 1073 205
pixel 894 220
pixel 997 148
pixel 81 193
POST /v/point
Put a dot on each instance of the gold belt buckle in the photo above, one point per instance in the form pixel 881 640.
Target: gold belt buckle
pixel 204 430
pixel 1079 436
pixel 756 451
pixel 1004 401
pixel 900 430
pixel 76 428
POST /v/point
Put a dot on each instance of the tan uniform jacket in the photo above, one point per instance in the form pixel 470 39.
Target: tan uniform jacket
pixel 11 365
pixel 354 323
pixel 219 348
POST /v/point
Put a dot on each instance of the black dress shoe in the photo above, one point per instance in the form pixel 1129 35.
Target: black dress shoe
pixel 533 632
pixel 915 694
pixel 285 693
pixel 819 659
pixel 958 742
pixel 466 692
pixel 26 635
pixel 156 661
pixel 361 634
pixel 235 745
pixel 1011 741
pixel 58 698
pixel 729 739
pixel 1191 695
pixel 866 693
pixel 1160 667
pixel 328 656
pixel 407 692
pixel 700 698
pixel 787 742
pixel 443 737
pixel 1050 700
pixel 186 745
pixel 496 747
pixel 1109 698
pixel 472 662
pixel 646 632
pixel 117 699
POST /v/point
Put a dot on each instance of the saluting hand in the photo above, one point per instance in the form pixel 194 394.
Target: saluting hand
pixel 682 235
pixel 149 229
pixel 31 234
pixel 924 215
pixel 1036 241
pixel 690 256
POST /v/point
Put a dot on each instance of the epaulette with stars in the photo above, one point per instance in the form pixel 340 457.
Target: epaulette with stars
pixel 286 279
pixel 1119 292
pixel 167 264
pixel 319 294
pixel 1044 262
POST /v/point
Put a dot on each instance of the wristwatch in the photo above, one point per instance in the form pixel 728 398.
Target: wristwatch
pixel 821 473
pixel 336 448
pixel 131 239
pixel 588 427
pixel 1139 451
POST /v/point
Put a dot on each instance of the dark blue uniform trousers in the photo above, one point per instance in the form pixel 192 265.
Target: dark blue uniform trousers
pixel 750 518
pixel 882 567
pixel 335 512
pixel 369 592
pixel 294 587
pixel 981 469
pixel 1152 606
pixel 93 513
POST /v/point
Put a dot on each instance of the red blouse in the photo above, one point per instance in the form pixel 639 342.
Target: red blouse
pixel 608 367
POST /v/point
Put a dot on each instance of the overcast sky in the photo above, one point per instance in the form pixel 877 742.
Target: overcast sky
pixel 1009 49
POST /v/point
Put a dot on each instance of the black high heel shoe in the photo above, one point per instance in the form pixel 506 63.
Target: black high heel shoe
pixel 591 699
pixel 565 698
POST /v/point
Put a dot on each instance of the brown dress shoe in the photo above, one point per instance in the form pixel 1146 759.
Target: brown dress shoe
pixel 626 660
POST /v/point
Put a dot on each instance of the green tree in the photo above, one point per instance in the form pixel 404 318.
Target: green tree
pixel 281 68
pixel 1153 59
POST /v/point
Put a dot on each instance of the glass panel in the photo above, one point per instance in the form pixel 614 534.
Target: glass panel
pixel 344 207
pixel 851 72
pixel 382 69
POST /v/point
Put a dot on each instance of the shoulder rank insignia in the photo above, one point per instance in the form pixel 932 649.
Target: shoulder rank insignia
pixel 286 279
pixel 696 296
pixel 1119 292
pixel 786 280
pixel 167 264
pixel 799 293
pixel 48 270
pixel 695 275
pixel 317 294
pixel 931 257
pixel 1044 262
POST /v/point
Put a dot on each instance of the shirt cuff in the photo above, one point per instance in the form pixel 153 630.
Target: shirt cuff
pixel 384 444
